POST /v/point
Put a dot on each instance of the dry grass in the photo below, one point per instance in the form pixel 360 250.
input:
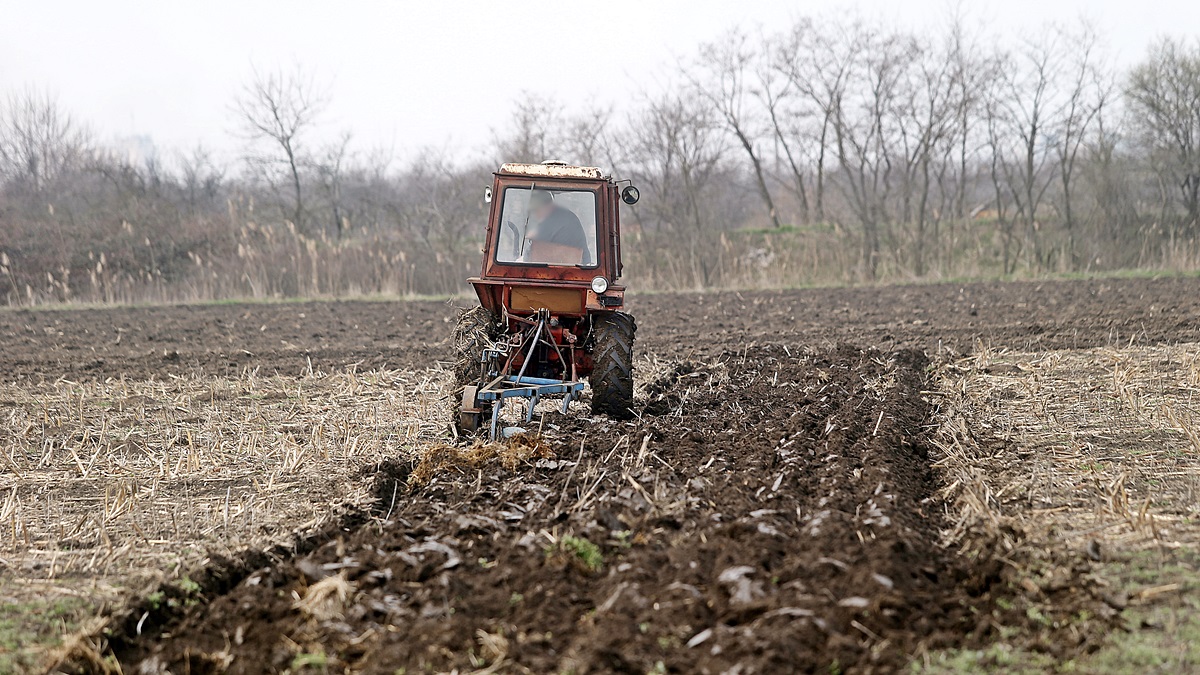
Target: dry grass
pixel 1082 460
pixel 111 488
pixel 257 260
pixel 325 600
pixel 1094 449
pixel 509 452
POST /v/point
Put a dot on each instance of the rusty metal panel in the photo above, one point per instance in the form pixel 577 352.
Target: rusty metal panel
pixel 490 294
pixel 612 299
pixel 553 171
pixel 557 300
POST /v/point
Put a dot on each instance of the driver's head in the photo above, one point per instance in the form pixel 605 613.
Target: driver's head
pixel 541 203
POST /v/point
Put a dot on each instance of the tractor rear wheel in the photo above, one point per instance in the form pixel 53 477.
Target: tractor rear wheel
pixel 476 330
pixel 612 365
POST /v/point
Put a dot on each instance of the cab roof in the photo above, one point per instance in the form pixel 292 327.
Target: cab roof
pixel 553 170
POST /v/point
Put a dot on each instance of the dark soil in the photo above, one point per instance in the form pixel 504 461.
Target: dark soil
pixel 773 509
pixel 221 340
pixel 286 338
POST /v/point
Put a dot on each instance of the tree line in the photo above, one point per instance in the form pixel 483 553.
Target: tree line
pixel 836 150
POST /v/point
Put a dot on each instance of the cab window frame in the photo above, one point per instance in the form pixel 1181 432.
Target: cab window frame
pixel 529 188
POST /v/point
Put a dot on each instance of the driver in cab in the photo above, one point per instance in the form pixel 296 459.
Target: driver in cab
pixel 557 235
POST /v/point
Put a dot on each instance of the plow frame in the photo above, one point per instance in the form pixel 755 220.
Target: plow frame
pixel 501 385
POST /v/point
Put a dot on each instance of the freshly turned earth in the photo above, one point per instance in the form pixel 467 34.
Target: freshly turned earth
pixel 142 342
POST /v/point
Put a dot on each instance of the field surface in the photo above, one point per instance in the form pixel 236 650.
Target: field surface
pixel 224 339
pixel 980 477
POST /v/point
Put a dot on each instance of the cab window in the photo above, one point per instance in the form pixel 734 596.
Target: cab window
pixel 545 226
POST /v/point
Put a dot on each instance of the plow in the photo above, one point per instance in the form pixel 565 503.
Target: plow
pixel 550 310
pixel 502 386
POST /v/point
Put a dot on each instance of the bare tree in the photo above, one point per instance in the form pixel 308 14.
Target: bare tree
pixel 817 61
pixel 677 155
pixel 800 82
pixel 999 160
pixel 927 129
pixel 202 177
pixel 868 134
pixel 787 108
pixel 962 161
pixel 1111 171
pixel 1087 90
pixel 1025 107
pixel 331 172
pixel 38 140
pixel 720 76
pixel 536 130
pixel 593 137
pixel 900 142
pixel 277 110
pixel 964 74
pixel 1164 97
pixel 443 211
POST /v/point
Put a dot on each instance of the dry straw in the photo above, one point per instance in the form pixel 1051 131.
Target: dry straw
pixel 123 483
pixel 1093 449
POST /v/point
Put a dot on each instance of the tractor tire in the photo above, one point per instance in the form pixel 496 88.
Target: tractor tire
pixel 612 365
pixel 476 330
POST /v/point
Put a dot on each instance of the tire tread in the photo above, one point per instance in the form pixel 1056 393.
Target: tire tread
pixel 612 370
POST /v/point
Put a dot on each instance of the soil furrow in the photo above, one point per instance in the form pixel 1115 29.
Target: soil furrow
pixel 777 514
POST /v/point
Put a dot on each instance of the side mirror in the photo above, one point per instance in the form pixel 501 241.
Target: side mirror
pixel 487 195
pixel 630 195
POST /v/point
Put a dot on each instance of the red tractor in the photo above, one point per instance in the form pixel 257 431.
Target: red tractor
pixel 550 309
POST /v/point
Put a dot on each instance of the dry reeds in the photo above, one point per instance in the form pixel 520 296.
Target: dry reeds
pixel 252 259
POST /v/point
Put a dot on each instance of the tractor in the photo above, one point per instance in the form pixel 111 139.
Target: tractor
pixel 550 310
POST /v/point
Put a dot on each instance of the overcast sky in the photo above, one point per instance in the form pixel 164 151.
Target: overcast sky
pixel 410 74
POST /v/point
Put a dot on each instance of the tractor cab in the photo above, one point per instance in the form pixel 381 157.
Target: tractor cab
pixel 553 240
pixel 549 310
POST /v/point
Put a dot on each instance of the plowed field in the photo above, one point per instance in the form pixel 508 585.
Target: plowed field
pixel 781 503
